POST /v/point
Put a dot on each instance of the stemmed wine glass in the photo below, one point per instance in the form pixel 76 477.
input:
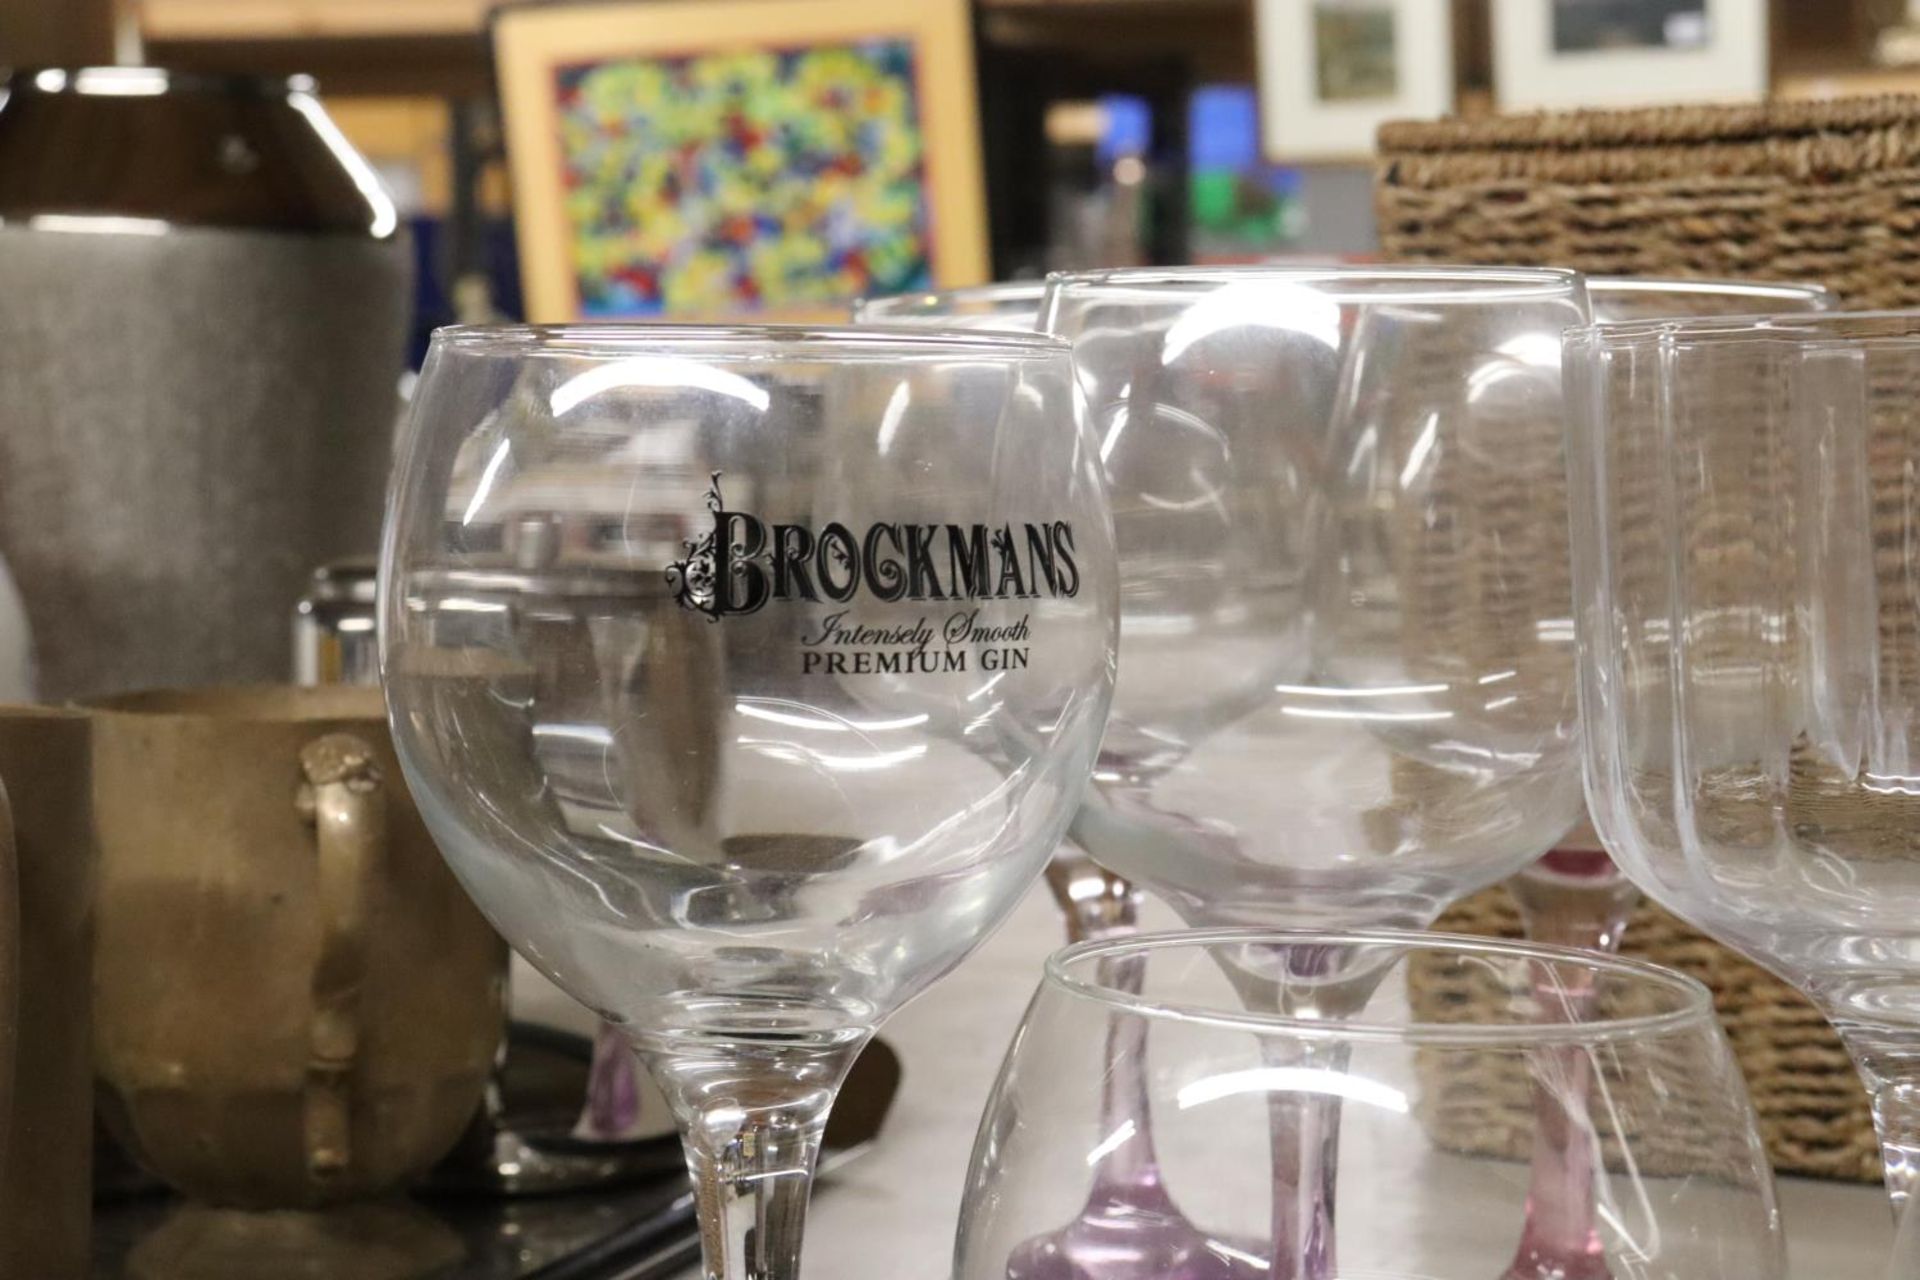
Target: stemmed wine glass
pixel 1574 895
pixel 1748 570
pixel 1346 681
pixel 1438 1066
pixel 835 653
pixel 1096 902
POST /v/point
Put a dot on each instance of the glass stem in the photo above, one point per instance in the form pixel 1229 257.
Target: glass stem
pixel 751 1123
pixel 1306 1166
pixel 1560 1239
pixel 1128 1176
pixel 1574 898
pixel 1888 1058
pixel 1569 904
pixel 1099 904
pixel 1305 1122
pixel 1096 902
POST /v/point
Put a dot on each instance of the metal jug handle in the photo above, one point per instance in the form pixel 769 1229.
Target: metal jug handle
pixel 9 967
pixel 344 796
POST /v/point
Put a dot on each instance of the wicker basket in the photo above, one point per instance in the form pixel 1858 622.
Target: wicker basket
pixel 1813 1111
pixel 1826 192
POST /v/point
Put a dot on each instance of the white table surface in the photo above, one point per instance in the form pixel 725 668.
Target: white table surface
pixel 891 1214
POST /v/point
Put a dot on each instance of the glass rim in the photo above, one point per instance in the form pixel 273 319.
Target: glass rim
pixel 1809 328
pixel 1696 1001
pixel 818 342
pixel 1355 283
pixel 1708 285
pixel 999 291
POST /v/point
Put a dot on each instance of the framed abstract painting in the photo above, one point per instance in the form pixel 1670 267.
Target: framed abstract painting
pixel 768 159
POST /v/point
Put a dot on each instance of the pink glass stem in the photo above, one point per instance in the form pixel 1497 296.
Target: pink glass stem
pixel 1096 902
pixel 1129 1228
pixel 1573 897
pixel 1560 1240
pixel 1099 904
pixel 612 1111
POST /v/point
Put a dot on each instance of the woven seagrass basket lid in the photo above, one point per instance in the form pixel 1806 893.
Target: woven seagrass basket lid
pixel 1800 191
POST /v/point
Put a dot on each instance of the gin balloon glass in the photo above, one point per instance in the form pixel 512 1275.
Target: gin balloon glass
pixel 1346 675
pixel 746 678
pixel 1748 570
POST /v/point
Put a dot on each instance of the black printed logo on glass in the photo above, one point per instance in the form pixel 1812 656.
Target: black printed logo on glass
pixel 745 564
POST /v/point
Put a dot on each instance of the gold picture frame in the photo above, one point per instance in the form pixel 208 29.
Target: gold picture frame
pixel 622 120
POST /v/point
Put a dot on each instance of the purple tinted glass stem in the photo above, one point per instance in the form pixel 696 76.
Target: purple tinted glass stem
pixel 612 1111
pixel 1576 898
pixel 1129 1228
pixel 1559 1240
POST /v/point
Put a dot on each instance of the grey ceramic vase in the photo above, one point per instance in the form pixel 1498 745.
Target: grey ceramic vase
pixel 205 299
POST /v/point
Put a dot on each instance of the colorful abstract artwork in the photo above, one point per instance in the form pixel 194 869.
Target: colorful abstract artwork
pixel 744 180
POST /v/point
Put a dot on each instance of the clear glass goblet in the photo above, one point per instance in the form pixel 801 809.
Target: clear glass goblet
pixel 1013 305
pixel 1575 896
pixel 1748 565
pixel 1346 685
pixel 1346 678
pixel 1456 1050
pixel 746 677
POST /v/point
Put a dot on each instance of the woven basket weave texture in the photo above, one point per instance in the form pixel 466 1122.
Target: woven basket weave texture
pixel 1819 192
pixel 1826 192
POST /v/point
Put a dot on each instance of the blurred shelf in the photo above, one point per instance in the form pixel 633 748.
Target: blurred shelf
pixel 1214 36
pixel 450 66
pixel 197 20
pixel 398 47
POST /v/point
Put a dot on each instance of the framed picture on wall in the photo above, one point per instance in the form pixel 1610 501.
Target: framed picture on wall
pixel 1620 53
pixel 740 158
pixel 1333 71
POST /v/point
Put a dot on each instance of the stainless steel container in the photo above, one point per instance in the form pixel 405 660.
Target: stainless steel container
pixel 205 306
pixel 335 631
